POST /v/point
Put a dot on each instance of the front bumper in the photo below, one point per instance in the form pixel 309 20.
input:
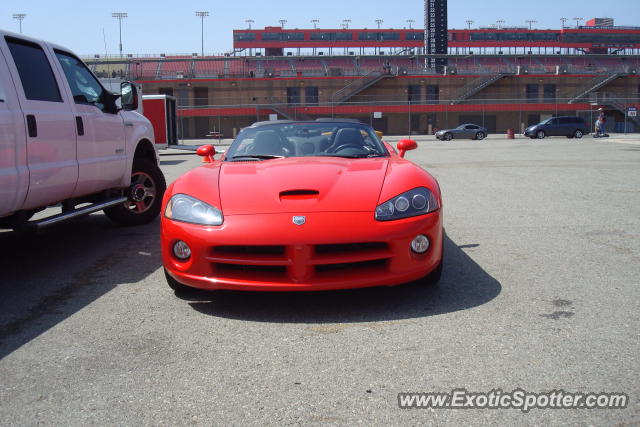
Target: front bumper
pixel 332 250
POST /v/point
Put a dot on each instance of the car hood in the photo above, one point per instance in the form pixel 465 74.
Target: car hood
pixel 299 185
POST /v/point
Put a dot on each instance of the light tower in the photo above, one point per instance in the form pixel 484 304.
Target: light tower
pixel 531 22
pixel 379 22
pixel 202 14
pixel 120 16
pixel 249 22
pixel 578 21
pixel 469 22
pixel 345 23
pixel 20 17
pixel 500 22
pixel 282 22
pixel 315 23
pixel 563 20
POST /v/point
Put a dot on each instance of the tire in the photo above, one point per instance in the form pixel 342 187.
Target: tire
pixel 540 134
pixel 447 137
pixel 578 133
pixel 174 284
pixel 480 136
pixel 145 196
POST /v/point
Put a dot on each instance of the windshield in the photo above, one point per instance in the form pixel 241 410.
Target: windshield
pixel 327 139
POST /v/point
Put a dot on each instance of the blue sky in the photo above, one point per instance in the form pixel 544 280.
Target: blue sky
pixel 172 27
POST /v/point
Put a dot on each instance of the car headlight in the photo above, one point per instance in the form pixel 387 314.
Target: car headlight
pixel 418 201
pixel 188 209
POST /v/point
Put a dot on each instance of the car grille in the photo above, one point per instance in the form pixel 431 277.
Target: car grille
pixel 298 263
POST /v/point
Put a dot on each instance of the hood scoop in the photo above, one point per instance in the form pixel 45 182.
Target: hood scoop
pixel 299 195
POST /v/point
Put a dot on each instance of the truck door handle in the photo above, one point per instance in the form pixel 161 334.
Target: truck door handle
pixel 32 126
pixel 79 126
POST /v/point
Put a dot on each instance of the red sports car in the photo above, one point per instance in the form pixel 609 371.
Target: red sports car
pixel 303 206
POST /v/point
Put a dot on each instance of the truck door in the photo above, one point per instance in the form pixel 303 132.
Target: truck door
pixel 14 175
pixel 102 159
pixel 49 123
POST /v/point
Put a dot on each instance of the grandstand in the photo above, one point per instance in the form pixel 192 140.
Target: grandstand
pixel 500 78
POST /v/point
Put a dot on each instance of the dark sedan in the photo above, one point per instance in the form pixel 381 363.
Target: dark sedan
pixel 466 130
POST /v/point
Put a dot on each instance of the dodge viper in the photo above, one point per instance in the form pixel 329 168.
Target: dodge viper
pixel 315 205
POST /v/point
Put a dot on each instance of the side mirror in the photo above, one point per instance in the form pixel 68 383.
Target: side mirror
pixel 206 152
pixel 129 94
pixel 405 145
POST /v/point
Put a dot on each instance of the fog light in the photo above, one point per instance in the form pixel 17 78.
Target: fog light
pixel 420 244
pixel 181 250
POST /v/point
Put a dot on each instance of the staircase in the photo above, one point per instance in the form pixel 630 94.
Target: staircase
pixel 357 86
pixel 476 86
pixel 616 105
pixel 594 85
pixel 289 112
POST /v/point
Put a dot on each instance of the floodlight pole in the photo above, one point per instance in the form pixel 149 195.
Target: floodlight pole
pixel 202 14
pixel 563 20
pixel 282 22
pixel 379 22
pixel 469 22
pixel 315 23
pixel 531 22
pixel 249 22
pixel 20 17
pixel 120 16
pixel 410 22
pixel 577 21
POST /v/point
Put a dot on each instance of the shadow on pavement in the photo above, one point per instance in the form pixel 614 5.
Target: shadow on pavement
pixel 50 275
pixel 464 285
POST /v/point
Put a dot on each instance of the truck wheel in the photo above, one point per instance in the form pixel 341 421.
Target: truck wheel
pixel 145 196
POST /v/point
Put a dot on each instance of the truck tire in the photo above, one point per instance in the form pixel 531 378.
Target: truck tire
pixel 145 196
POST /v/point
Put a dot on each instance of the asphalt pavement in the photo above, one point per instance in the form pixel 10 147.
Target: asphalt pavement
pixel 540 291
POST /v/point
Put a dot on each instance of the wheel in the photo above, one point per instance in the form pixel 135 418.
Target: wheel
pixel 432 278
pixel 145 196
pixel 578 133
pixel 480 136
pixel 540 134
pixel 569 136
pixel 447 137
pixel 174 284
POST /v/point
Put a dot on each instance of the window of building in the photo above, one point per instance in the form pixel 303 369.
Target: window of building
pixel 36 75
pixel 532 93
pixel 433 94
pixel 240 37
pixel 549 91
pixel 292 36
pixel 413 94
pixel 201 95
pixel 293 95
pixel 415 36
pixel 271 36
pixel 311 95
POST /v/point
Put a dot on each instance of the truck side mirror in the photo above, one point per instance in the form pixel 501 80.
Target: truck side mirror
pixel 129 96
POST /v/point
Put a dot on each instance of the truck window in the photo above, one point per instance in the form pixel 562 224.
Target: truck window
pixel 36 76
pixel 84 87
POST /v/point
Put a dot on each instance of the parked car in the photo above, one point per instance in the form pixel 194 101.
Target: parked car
pixel 467 130
pixel 569 126
pixel 67 141
pixel 303 206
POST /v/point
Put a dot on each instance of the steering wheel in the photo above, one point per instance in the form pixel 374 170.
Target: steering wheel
pixel 343 146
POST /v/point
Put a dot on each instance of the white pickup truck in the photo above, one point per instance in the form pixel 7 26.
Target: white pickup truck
pixel 67 142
